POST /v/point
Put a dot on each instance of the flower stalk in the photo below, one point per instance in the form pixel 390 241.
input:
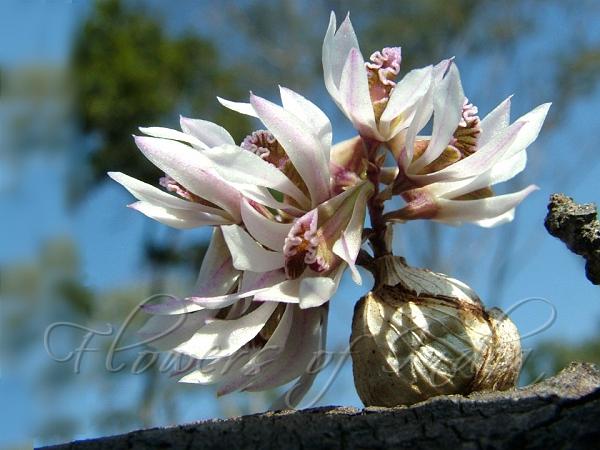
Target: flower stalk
pixel 375 203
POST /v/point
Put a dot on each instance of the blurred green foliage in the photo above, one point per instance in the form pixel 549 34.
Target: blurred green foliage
pixel 551 356
pixel 130 72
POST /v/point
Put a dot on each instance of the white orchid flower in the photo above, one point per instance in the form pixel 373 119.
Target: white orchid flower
pixel 250 345
pixel 323 230
pixel 274 196
pixel 261 297
pixel 447 176
pixel 367 93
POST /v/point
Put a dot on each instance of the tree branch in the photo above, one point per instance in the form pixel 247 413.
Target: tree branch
pixel 560 412
pixel 578 227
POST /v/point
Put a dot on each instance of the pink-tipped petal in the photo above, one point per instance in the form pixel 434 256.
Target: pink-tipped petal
pixel 496 221
pixel 167 332
pixel 311 115
pixel 300 349
pixel 500 172
pixel 240 107
pixel 151 194
pixel 222 338
pixel 181 219
pixel 211 134
pixel 505 145
pixel 292 397
pixel 355 97
pixel 336 47
pixel 264 197
pixel 266 231
pixel 167 133
pixel 315 291
pixel 262 283
pixel 171 306
pixel 495 122
pixel 217 275
pixel 192 170
pixel 350 242
pixel 214 371
pixel 239 166
pixel 303 148
pixel 247 253
pixel 258 366
pixel 420 119
pixel 478 210
pixel 448 100
pixel 405 95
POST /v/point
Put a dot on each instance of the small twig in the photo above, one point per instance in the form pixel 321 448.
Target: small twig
pixel 578 227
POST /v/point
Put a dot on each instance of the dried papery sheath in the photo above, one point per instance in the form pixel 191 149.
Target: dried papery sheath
pixel 420 334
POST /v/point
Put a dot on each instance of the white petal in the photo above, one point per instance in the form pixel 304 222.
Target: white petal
pixel 237 165
pixel 441 69
pixel 257 366
pixel 303 148
pixel 247 253
pixel 500 172
pixel 294 395
pixel 355 97
pixel 477 210
pixel 334 204
pixel 503 146
pixel 499 220
pixel 151 194
pixel 300 347
pixel 477 163
pixel 494 122
pixel 224 337
pixel 312 116
pixel 171 306
pixel 167 133
pixel 243 108
pixel 287 291
pixel 448 101
pixel 315 291
pixel 506 144
pixel 167 332
pixel 262 195
pixel 533 122
pixel 217 275
pixel 264 282
pixel 181 219
pixel 336 47
pixel 350 242
pixel 419 120
pixel 253 281
pixel 405 95
pixel 207 132
pixel 192 170
pixel 213 371
pixel 268 232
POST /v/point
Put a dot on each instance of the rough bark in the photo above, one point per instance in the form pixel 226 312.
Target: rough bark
pixel 561 412
pixel 578 227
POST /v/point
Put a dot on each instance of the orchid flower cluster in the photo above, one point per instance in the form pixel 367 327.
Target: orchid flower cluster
pixel 288 208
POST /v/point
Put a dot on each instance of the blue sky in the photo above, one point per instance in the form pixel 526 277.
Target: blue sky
pixel 109 234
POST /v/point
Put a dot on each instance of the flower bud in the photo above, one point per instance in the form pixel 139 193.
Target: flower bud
pixel 419 334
